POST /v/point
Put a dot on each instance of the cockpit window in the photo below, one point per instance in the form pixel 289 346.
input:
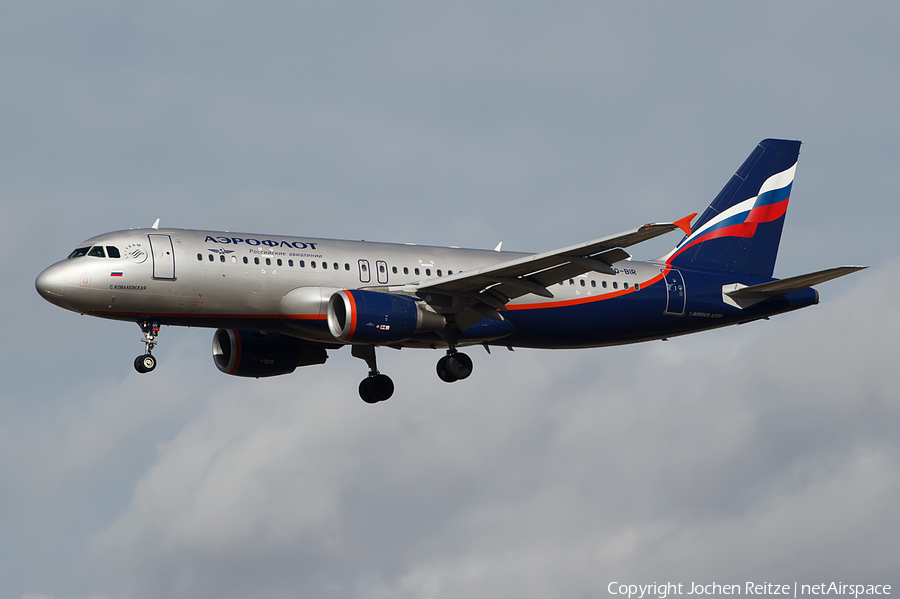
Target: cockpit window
pixel 113 251
pixel 97 252
pixel 79 253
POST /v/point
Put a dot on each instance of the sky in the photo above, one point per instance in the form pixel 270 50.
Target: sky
pixel 766 452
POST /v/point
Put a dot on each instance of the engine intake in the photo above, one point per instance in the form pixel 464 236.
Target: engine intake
pixel 256 354
pixel 356 316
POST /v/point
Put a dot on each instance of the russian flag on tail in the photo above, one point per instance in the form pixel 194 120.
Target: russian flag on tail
pixel 741 230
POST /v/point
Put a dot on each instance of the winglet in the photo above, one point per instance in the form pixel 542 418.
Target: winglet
pixel 685 223
pixel 155 225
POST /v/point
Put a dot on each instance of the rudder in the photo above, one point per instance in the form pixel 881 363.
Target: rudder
pixel 741 229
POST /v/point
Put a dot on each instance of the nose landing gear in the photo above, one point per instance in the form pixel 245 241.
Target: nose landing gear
pixel 147 362
pixel 375 387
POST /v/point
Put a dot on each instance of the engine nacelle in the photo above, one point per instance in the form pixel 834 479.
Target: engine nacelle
pixel 356 316
pixel 256 354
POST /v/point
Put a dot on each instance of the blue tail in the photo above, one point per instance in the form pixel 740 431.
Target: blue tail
pixel 741 229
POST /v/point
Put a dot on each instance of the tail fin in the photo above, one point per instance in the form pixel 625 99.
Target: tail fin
pixel 741 229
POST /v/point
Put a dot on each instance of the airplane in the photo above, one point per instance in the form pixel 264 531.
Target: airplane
pixel 280 302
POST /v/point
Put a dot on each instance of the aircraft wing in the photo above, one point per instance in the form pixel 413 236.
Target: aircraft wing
pixel 487 290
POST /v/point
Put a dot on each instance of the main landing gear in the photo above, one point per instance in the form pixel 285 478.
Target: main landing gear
pixel 147 362
pixel 455 366
pixel 375 387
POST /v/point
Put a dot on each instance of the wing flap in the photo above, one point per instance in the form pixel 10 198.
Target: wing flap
pixel 534 273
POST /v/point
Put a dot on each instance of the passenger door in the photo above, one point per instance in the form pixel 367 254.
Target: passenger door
pixel 163 256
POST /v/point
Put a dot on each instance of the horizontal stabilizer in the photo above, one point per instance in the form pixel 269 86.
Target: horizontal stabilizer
pixel 792 284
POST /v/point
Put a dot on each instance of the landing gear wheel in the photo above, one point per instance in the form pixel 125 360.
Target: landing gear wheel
pixel 364 392
pixel 145 363
pixel 459 365
pixel 443 371
pixel 376 388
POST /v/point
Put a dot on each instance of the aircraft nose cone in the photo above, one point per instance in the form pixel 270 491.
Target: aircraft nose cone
pixel 51 284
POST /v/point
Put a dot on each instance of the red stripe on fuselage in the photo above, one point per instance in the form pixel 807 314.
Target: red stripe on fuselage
pixel 585 300
pixel 212 315
pixel 353 323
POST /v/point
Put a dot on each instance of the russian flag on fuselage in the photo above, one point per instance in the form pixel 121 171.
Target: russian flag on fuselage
pixel 741 229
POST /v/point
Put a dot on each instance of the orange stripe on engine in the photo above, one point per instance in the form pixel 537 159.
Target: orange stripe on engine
pixel 352 315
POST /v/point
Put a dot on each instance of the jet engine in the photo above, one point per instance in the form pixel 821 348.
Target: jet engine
pixel 356 316
pixel 257 354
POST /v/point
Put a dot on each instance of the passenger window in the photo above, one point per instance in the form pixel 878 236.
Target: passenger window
pixel 615 285
pixel 593 283
pixel 210 257
pixel 439 273
pixel 268 262
pixel 571 281
pixel 113 252
pixel 290 262
pixel 221 257
pixel 364 267
pixel 336 266
pixel 637 287
pixel 449 272
pixel 427 272
pixel 417 271
pixel 381 268
pixel 346 266
pixel 256 261
pixel 200 257
pixel 278 262
pixel 312 264
pixel 626 285
pixel 97 252
pixel 582 282
pixel 405 270
pixel 604 284
pixel 245 260
pixel 302 264
pixel 394 269
pixel 79 253
pixel 324 265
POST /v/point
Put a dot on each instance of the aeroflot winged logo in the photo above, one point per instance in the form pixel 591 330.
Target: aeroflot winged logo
pixel 742 219
pixel 272 243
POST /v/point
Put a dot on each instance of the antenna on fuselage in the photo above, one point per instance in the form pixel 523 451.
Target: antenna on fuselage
pixel 499 245
pixel 155 225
